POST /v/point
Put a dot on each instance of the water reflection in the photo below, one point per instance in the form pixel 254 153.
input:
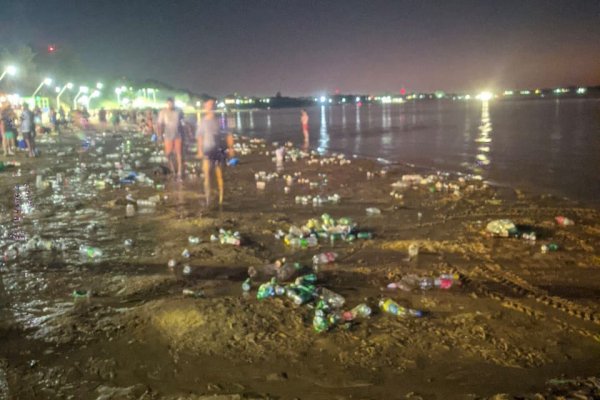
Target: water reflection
pixel 323 134
pixel 386 123
pixel 238 118
pixel 251 119
pixel 483 139
pixel 269 120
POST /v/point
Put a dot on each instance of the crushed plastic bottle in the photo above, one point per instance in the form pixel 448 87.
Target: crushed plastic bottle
pixel 193 240
pixel 391 307
pixel 89 251
pixel 373 211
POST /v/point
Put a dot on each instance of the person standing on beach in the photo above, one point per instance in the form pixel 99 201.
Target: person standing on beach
pixel 28 129
pixel 211 149
pixel 304 121
pixel 170 128
pixel 115 119
pixel 7 129
pixel 102 117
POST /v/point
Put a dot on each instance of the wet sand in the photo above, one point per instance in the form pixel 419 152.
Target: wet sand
pixel 522 323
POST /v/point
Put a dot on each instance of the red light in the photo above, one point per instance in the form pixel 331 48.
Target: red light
pixel 402 91
pixel 51 48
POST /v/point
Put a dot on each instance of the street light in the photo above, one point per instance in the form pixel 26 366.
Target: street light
pixel 67 86
pixel 99 86
pixel 118 92
pixel 82 90
pixel 95 93
pixel 46 81
pixel 10 70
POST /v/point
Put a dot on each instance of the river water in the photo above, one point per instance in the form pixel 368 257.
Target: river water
pixel 542 146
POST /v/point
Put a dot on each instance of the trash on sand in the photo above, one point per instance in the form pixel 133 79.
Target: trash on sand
pixel 373 211
pixel 549 247
pixel 564 221
pixel 91 252
pixel 501 228
pixel 391 307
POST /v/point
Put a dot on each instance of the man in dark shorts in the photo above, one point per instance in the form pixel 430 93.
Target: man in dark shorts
pixel 28 129
pixel 211 149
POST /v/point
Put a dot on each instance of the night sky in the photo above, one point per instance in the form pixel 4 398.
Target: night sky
pixel 313 47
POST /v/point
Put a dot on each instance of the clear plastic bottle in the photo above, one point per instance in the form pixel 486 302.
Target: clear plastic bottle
pixel 373 211
pixel 287 271
pixel 324 258
pixel 331 298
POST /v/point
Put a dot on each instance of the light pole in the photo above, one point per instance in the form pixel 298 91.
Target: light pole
pixel 60 92
pixel 95 93
pixel 118 92
pixel 46 81
pixel 82 89
pixel 10 70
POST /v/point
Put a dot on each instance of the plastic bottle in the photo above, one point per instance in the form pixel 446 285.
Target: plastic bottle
pixel 360 311
pixel 324 258
pixel 564 221
pixel 426 283
pixel 287 271
pixel 145 203
pixel 91 252
pixel 413 250
pixel 247 285
pixel 331 298
pixel 269 289
pixel 193 240
pixel 549 247
pixel 391 307
pixel 373 211
pixel 401 285
pixel 306 279
pixel 320 321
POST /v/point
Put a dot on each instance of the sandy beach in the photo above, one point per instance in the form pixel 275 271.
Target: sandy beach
pixel 517 322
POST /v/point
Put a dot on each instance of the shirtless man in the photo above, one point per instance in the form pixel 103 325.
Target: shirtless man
pixel 211 149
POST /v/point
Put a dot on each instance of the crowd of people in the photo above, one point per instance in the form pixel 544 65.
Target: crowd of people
pixel 20 125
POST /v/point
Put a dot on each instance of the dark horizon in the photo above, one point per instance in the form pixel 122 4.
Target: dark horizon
pixel 313 48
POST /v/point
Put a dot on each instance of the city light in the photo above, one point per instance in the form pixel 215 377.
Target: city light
pixel 581 90
pixel 10 70
pixel 99 86
pixel 82 90
pixel 46 81
pixel 323 99
pixel 485 96
pixel 67 86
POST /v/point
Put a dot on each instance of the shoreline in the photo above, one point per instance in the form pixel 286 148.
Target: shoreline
pixel 519 318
